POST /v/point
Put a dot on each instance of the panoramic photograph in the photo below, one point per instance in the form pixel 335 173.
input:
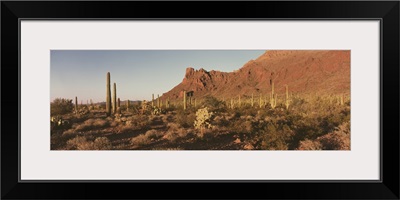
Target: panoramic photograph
pixel 200 100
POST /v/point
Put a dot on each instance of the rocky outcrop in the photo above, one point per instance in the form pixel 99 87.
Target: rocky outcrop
pixel 321 72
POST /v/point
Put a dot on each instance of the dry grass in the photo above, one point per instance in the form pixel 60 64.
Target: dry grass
pixel 146 138
pixel 174 132
pixel 91 124
pixel 82 143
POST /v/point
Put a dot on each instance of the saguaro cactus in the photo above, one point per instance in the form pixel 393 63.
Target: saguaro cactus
pixel 127 105
pixel 76 105
pixel 158 101
pixel 252 100
pixel 287 101
pixel 108 95
pixel 273 100
pixel 272 87
pixel 152 100
pixel 167 103
pixel 239 103
pixel 232 103
pixel 273 96
pixel 184 100
pixel 260 101
pixel 115 99
pixel 342 100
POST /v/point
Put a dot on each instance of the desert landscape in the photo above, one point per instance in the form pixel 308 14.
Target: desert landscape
pixel 280 100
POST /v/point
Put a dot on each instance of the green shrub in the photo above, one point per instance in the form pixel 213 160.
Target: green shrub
pixel 61 106
pixel 214 104
pixel 185 118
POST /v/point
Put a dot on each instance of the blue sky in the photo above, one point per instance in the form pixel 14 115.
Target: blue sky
pixel 137 73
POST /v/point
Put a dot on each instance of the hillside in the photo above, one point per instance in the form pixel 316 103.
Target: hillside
pixel 304 71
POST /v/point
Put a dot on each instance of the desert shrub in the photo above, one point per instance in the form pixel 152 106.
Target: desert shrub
pixel 61 106
pixel 102 143
pixel 338 139
pixel 92 124
pixel 82 143
pixel 174 132
pixel 185 118
pixel 140 140
pixel 214 104
pixel 146 138
pixel 153 134
pixel 309 145
pixel 138 122
pixel 167 149
pixel 245 111
pixel 273 136
pixel 79 143
pixel 243 126
pixel 221 121
pixel 157 111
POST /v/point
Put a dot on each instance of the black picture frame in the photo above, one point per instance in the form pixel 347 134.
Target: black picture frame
pixel 386 11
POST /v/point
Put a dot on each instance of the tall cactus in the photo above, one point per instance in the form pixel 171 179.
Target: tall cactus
pixel 76 105
pixel 272 87
pixel 239 103
pixel 252 100
pixel 342 100
pixel 115 99
pixel 152 100
pixel 167 103
pixel 232 103
pixel 127 105
pixel 158 101
pixel 184 100
pixel 108 95
pixel 273 100
pixel 195 102
pixel 273 96
pixel 287 100
pixel 260 101
pixel 119 106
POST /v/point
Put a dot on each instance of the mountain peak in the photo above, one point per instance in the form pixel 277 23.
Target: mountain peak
pixel 302 70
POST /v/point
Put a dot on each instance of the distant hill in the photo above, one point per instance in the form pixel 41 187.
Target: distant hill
pixel 304 71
